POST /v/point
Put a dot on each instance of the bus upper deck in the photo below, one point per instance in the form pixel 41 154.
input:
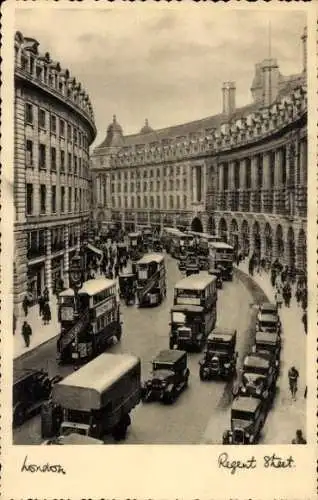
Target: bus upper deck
pixel 197 289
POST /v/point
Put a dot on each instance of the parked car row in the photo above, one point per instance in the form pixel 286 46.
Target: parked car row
pixel 255 393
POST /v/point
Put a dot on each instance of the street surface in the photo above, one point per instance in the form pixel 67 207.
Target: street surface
pixel 202 411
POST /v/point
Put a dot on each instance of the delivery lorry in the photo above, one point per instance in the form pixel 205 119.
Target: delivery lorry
pixel 95 400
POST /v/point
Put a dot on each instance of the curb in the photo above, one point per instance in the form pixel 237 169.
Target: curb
pixel 30 351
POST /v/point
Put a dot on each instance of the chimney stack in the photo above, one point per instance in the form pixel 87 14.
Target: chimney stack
pixel 228 90
pixel 304 40
pixel 270 81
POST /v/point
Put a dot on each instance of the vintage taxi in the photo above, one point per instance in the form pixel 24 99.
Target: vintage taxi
pixel 247 420
pixel 220 356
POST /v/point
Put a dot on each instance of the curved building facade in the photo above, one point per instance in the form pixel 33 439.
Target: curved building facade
pixel 54 127
pixel 241 173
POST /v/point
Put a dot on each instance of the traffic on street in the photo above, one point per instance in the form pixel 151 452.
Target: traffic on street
pixel 202 411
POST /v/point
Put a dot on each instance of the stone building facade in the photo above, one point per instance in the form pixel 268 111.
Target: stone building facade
pixel 54 127
pixel 241 173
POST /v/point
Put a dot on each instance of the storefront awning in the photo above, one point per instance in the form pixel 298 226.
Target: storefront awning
pixel 94 249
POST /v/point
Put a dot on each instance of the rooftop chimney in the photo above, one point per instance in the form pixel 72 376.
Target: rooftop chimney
pixel 228 90
pixel 270 81
pixel 304 40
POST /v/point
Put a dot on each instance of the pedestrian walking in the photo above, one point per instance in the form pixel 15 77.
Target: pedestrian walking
pixel 299 438
pixel 273 277
pixel 278 298
pixel 26 333
pixel 14 323
pixel 46 313
pixel 251 266
pixel 116 269
pixel 46 294
pixel 293 376
pixel 41 304
pixel 304 321
pixel 287 294
pixel 25 305
pixel 304 301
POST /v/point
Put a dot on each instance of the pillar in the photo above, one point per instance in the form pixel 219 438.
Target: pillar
pixel 242 191
pixel 78 238
pixel 278 181
pixel 266 184
pixel 48 262
pixel 254 205
pixel 194 185
pixel 66 256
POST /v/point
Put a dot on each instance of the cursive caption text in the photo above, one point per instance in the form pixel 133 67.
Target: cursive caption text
pixel 46 467
pixel 269 462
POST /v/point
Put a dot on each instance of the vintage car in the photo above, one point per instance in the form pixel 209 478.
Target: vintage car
pixel 220 356
pixel 247 420
pixel 30 389
pixel 218 274
pixel 269 342
pixel 267 312
pixel 259 375
pixel 268 323
pixel 169 377
pixel 127 287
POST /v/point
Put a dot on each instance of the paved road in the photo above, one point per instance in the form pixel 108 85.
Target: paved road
pixel 201 412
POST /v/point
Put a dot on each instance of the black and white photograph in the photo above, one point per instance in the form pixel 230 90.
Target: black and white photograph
pixel 160 273
pixel 160 278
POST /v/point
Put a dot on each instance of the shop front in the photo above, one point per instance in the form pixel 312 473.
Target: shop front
pixel 36 281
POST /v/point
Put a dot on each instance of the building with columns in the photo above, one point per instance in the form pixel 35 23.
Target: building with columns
pixel 54 127
pixel 241 173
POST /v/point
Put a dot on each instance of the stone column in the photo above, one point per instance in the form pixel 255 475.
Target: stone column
pixel 278 180
pixel 66 257
pixel 254 185
pixel 265 207
pixel 231 188
pixel 48 261
pixel 194 185
pixel 301 185
pixel 291 156
pixel 242 192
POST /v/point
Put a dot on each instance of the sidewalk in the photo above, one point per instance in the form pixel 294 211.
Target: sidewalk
pixel 40 333
pixel 286 415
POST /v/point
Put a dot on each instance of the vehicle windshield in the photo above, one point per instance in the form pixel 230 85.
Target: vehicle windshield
pixel 242 415
pixel 162 366
pixel 218 346
pixel 255 369
pixel 269 325
pixel 181 318
pixel 67 301
pixel 78 417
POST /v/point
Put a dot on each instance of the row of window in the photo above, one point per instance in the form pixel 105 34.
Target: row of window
pixel 81 199
pixel 151 202
pixel 104 321
pixel 152 186
pixel 57 126
pixel 138 174
pixel 74 164
pixel 36 240
pixel 50 78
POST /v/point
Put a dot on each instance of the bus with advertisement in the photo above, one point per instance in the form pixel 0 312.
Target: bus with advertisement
pixel 151 279
pixel 221 256
pixel 194 311
pixel 203 241
pixel 89 320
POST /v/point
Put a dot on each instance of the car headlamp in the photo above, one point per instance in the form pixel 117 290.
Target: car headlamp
pixel 258 391
pixel 243 388
pixel 226 365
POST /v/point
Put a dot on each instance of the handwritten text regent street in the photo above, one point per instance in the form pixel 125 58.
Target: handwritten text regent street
pixel 46 467
pixel 269 462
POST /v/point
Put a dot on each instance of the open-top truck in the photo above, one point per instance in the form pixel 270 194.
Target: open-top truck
pixel 95 400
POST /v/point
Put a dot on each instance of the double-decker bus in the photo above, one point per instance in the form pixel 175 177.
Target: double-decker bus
pixel 89 321
pixel 221 255
pixel 194 313
pixel 151 279
pixel 146 233
pixel 135 245
pixel 204 240
pixel 175 241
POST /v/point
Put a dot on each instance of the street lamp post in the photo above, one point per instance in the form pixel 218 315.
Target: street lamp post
pixel 76 279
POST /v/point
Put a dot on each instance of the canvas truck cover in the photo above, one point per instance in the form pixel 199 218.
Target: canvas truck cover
pixel 87 388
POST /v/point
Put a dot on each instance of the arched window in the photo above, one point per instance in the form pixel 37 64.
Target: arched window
pixel 145 202
pixel 119 202
pixel 113 201
pixel 185 201
pixel 171 201
pixel 151 202
pixel 132 202
pixel 164 201
pixel 178 201
pixel 171 184
pixel 158 201
pixel 138 201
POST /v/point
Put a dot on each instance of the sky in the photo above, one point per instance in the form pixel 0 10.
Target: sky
pixel 167 63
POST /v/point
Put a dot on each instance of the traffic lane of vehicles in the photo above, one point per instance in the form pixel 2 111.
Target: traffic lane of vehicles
pixel 146 333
